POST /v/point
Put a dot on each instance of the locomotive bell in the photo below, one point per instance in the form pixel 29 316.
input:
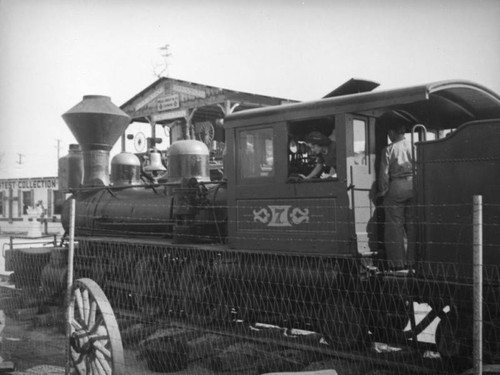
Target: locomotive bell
pixel 154 165
pixel 96 124
pixel 187 159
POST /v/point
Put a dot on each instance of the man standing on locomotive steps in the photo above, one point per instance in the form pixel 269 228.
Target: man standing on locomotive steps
pixel 395 185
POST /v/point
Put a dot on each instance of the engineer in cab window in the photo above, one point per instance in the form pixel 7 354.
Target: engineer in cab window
pixel 326 156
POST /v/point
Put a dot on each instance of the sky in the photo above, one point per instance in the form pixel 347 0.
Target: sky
pixel 53 52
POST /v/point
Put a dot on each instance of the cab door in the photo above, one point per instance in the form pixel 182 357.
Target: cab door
pixel 361 180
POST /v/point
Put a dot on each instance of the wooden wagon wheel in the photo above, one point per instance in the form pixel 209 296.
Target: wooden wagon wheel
pixel 95 341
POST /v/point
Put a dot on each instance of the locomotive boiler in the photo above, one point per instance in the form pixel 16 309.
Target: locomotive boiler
pixel 264 245
pixel 140 201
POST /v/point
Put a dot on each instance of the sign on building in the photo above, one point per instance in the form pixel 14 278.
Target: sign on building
pixel 18 196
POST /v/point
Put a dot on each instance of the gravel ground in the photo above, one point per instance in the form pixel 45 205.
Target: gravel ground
pixel 42 351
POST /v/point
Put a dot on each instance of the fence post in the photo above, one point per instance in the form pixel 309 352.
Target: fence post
pixel 478 284
pixel 69 285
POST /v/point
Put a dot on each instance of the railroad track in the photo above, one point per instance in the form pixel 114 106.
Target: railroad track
pixel 407 360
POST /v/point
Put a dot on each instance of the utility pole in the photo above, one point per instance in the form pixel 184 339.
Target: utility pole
pixel 20 161
pixel 58 148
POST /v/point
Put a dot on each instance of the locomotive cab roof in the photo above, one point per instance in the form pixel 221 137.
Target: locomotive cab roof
pixel 444 103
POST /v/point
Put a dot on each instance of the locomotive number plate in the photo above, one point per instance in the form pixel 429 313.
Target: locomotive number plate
pixel 293 215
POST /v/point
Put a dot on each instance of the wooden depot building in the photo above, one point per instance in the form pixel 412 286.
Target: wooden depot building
pixel 187 110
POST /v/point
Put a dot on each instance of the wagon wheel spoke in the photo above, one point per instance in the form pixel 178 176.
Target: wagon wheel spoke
pixel 102 350
pixel 77 358
pixel 78 362
pixel 96 370
pixel 102 362
pixel 85 307
pixel 92 314
pixel 75 325
pixel 79 303
pixel 95 342
pixel 98 323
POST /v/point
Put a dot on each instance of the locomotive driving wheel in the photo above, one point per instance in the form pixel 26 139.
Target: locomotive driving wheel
pixel 194 286
pixel 151 286
pixel 448 340
pixel 343 324
pixel 95 341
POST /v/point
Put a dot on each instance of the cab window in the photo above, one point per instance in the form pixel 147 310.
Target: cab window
pixel 302 159
pixel 360 141
pixel 256 153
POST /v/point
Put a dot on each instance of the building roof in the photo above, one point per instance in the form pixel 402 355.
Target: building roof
pixel 168 99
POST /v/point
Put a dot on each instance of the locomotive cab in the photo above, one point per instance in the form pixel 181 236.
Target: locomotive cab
pixel 270 206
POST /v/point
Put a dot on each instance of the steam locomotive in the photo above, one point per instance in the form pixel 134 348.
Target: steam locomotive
pixel 263 244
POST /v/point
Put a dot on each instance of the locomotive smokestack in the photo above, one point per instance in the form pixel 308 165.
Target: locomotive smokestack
pixel 96 124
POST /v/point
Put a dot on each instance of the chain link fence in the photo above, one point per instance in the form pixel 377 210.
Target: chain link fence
pixel 143 305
